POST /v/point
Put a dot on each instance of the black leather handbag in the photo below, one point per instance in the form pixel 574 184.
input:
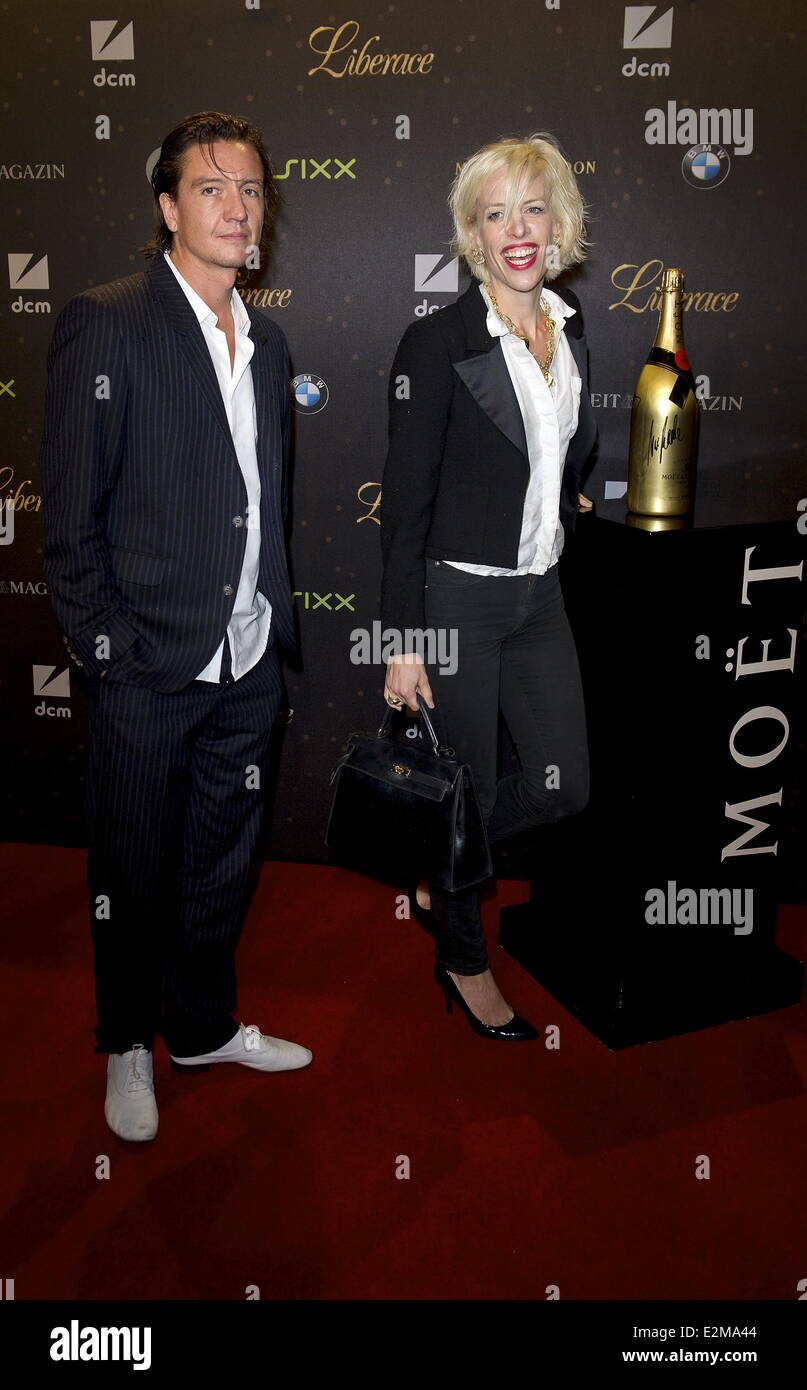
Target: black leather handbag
pixel 405 812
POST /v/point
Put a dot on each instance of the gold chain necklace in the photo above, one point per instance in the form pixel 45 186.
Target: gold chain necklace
pixel 550 329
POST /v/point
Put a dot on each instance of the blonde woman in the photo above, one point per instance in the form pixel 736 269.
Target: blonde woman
pixel 486 456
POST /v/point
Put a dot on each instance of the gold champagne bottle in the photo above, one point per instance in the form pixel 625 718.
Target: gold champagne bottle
pixel 664 417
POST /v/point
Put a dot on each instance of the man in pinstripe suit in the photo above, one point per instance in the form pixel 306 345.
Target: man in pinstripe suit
pixel 164 468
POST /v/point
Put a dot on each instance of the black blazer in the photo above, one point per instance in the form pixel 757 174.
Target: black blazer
pixel 145 506
pixel 457 468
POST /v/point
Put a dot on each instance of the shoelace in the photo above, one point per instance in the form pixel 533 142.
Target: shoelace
pixel 135 1075
pixel 252 1037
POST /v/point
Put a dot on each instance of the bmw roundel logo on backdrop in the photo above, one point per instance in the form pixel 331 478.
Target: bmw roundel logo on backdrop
pixel 705 166
pixel 309 394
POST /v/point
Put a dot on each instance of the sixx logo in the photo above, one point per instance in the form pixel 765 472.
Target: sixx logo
pixel 112 41
pixel 57 687
pixel 645 29
pixel 311 169
pixel 339 57
pixel 436 274
pixel 311 599
pixel 309 394
pixel 28 270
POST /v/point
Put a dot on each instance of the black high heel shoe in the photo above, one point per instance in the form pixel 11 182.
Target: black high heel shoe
pixel 516 1030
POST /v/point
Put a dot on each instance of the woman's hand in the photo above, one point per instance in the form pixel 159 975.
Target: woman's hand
pixel 406 679
pixel 584 504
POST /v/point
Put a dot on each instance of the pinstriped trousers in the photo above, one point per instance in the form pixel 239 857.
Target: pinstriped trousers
pixel 176 795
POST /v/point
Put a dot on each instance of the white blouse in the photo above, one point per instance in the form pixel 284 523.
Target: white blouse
pixel 550 420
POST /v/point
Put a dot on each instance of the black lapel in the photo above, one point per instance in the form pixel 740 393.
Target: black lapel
pixel 578 348
pixel 190 338
pixel 264 367
pixel 585 436
pixel 258 331
pixel 488 381
pixel 485 373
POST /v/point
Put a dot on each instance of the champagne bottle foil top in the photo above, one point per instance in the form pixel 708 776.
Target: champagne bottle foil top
pixel 672 279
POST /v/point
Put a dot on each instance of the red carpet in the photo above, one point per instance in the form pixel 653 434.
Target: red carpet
pixel 529 1167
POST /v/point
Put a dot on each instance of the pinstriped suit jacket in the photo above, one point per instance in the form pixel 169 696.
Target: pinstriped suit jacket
pixel 144 503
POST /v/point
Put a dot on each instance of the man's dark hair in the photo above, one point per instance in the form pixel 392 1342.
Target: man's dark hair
pixel 206 128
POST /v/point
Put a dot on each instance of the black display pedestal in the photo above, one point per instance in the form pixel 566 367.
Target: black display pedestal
pixel 694 703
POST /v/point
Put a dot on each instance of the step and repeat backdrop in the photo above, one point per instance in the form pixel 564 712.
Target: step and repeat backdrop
pixel 679 123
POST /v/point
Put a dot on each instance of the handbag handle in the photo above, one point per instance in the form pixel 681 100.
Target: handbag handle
pixel 384 727
pixel 427 720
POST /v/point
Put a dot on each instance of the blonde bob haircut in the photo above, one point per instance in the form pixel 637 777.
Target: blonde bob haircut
pixel 523 159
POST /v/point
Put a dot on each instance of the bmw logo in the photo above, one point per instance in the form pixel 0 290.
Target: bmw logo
pixel 705 166
pixel 309 394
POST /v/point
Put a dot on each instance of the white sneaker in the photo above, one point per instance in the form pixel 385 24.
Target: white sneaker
pixel 252 1048
pixel 131 1106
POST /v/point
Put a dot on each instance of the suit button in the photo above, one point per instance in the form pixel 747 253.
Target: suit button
pixel 238 521
pixel 228 589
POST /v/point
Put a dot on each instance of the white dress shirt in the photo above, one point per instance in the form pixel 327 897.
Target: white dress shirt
pixel 550 419
pixel 248 630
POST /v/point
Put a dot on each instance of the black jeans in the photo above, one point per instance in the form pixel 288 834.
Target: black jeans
pixel 515 653
pixel 176 794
